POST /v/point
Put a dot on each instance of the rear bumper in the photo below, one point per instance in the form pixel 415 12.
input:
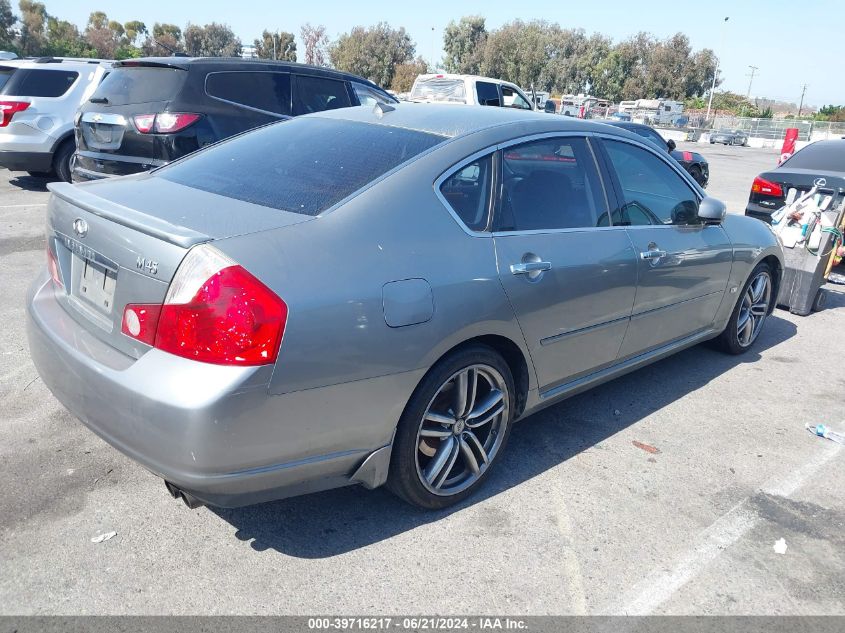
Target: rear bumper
pixel 89 165
pixel 213 431
pixel 756 211
pixel 26 161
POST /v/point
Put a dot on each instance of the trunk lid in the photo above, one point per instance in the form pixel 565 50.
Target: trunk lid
pixel 119 242
pixel 800 181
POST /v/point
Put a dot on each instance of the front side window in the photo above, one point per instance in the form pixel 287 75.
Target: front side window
pixel 369 97
pixel 551 184
pixel 512 99
pixel 488 93
pixel 318 94
pixel 467 192
pixel 653 192
pixel 267 91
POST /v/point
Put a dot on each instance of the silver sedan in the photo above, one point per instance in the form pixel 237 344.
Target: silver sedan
pixel 371 296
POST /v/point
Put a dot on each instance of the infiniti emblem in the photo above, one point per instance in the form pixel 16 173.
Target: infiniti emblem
pixel 820 182
pixel 80 227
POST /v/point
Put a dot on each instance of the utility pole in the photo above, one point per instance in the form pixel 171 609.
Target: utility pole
pixel 801 105
pixel 716 71
pixel 754 69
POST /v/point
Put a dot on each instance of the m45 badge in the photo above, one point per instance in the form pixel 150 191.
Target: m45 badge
pixel 147 265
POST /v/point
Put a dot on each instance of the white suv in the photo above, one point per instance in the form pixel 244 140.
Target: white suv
pixel 469 90
pixel 38 102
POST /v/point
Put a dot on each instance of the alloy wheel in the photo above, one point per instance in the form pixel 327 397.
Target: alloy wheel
pixel 754 308
pixel 462 430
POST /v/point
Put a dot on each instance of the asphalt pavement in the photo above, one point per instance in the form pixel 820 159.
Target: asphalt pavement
pixel 667 491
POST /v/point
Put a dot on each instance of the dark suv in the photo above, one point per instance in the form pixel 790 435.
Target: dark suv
pixel 148 112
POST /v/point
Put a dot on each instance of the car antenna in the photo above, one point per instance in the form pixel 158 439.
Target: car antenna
pixel 380 109
pixel 172 51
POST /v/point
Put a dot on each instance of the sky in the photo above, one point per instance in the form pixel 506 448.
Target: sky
pixel 791 43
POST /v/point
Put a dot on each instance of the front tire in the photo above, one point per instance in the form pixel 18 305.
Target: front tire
pixel 750 312
pixel 453 429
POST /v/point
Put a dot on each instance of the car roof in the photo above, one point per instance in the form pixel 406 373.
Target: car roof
pixel 454 120
pixel 186 63
pixel 54 63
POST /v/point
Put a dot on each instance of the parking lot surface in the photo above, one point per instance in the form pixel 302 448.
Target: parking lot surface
pixel 664 491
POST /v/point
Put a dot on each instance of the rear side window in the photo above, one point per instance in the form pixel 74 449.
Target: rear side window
pixel 140 84
pixel 39 83
pixel 467 191
pixel 551 184
pixel 824 156
pixel 653 192
pixel 266 91
pixel 488 94
pixel 439 89
pixel 5 75
pixel 301 165
pixel 317 94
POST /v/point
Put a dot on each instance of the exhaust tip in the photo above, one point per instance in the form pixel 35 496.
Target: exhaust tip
pixel 177 493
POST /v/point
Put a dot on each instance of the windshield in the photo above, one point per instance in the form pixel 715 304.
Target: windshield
pixel 439 89
pixel 304 165
pixel 822 155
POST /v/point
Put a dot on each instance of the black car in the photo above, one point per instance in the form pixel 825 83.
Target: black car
pixel 150 111
pixel 693 162
pixel 820 164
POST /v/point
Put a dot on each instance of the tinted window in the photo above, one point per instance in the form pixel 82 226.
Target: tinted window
pixel 512 99
pixel 316 94
pixel 550 184
pixel 822 155
pixel 302 165
pixel 39 83
pixel 488 94
pixel 467 191
pixel 368 96
pixel 654 137
pixel 654 193
pixel 266 91
pixel 140 84
pixel 5 74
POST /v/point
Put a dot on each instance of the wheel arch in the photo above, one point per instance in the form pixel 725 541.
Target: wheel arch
pixel 776 267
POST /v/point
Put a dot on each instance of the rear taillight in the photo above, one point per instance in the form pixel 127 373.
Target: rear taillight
pixel 53 267
pixel 766 188
pixel 164 122
pixel 8 109
pixel 215 312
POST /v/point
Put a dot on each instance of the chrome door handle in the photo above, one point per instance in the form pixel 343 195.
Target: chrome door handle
pixel 530 267
pixel 652 254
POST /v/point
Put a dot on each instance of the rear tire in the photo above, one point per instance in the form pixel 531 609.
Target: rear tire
pixel 440 457
pixel 695 172
pixel 750 313
pixel 62 159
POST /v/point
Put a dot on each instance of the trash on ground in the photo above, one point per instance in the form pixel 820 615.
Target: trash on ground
pixel 780 546
pixel 648 448
pixel 103 537
pixel 822 431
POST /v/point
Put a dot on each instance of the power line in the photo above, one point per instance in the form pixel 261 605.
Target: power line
pixel 754 69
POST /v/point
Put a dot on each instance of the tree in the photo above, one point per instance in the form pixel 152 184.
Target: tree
pixel 32 40
pixel 405 74
pixel 464 44
pixel 211 40
pixel 518 52
pixel 7 24
pixel 830 113
pixel 104 36
pixel 372 52
pixel 278 45
pixel 164 37
pixel 64 40
pixel 316 44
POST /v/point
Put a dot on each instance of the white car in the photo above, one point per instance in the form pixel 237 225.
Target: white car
pixel 38 101
pixel 468 90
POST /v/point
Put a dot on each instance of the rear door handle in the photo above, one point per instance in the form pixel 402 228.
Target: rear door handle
pixel 530 267
pixel 652 254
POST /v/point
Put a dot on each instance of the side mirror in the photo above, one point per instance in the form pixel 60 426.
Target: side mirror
pixel 712 210
pixel 671 145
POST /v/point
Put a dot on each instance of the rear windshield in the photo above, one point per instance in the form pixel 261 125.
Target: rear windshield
pixel 38 83
pixel 140 84
pixel 304 165
pixel 439 89
pixel 823 155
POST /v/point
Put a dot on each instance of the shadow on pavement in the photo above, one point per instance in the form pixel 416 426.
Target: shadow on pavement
pixel 31 183
pixel 338 521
